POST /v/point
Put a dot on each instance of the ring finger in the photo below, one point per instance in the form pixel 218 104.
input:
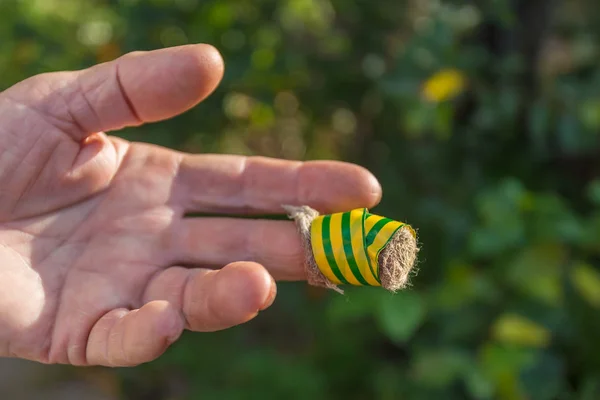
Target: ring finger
pixel 214 242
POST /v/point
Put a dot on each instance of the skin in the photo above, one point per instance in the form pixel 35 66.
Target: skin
pixel 98 265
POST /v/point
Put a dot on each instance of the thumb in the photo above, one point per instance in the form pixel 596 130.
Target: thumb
pixel 134 89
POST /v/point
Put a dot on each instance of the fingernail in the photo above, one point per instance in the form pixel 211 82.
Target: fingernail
pixel 271 297
pixel 376 190
pixel 172 327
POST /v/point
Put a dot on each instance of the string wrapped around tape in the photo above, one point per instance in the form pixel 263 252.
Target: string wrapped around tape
pixel 355 248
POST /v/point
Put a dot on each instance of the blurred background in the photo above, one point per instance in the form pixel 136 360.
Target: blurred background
pixel 480 118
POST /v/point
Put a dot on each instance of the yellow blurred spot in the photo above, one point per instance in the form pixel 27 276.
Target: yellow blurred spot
pixel 514 329
pixel 587 282
pixel 238 105
pixel 343 121
pixel 95 33
pixel 287 103
pixel 444 85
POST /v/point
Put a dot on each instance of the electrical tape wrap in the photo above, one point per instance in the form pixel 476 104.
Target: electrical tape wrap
pixel 346 246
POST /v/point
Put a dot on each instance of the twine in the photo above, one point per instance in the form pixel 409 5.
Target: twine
pixel 355 248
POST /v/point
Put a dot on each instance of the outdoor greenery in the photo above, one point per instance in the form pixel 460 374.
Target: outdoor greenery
pixel 481 120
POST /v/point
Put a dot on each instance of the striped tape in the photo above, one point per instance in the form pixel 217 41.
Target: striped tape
pixel 346 246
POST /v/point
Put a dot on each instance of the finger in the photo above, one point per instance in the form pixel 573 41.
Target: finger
pixel 133 89
pixel 224 183
pixel 127 338
pixel 214 300
pixel 210 242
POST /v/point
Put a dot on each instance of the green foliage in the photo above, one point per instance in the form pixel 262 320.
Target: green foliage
pixel 501 180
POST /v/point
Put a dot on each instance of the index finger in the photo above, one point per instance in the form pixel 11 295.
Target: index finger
pixel 251 185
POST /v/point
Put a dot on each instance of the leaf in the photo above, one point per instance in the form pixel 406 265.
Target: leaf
pixel 544 380
pixel 355 305
pixel 540 264
pixel 400 315
pixel 554 221
pixel 589 113
pixel 499 210
pixel 463 285
pixel 503 364
pixel 513 329
pixel 593 192
pixel 439 367
pixel 569 134
pixel 590 389
pixel 477 383
pixel 586 281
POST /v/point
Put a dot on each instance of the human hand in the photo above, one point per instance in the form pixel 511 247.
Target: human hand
pixel 98 265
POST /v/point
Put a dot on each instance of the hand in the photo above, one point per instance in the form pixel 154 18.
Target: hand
pixel 98 265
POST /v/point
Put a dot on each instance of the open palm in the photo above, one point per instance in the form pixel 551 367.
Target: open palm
pixel 98 265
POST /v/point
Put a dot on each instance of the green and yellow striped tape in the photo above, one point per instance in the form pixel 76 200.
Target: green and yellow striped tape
pixel 346 245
